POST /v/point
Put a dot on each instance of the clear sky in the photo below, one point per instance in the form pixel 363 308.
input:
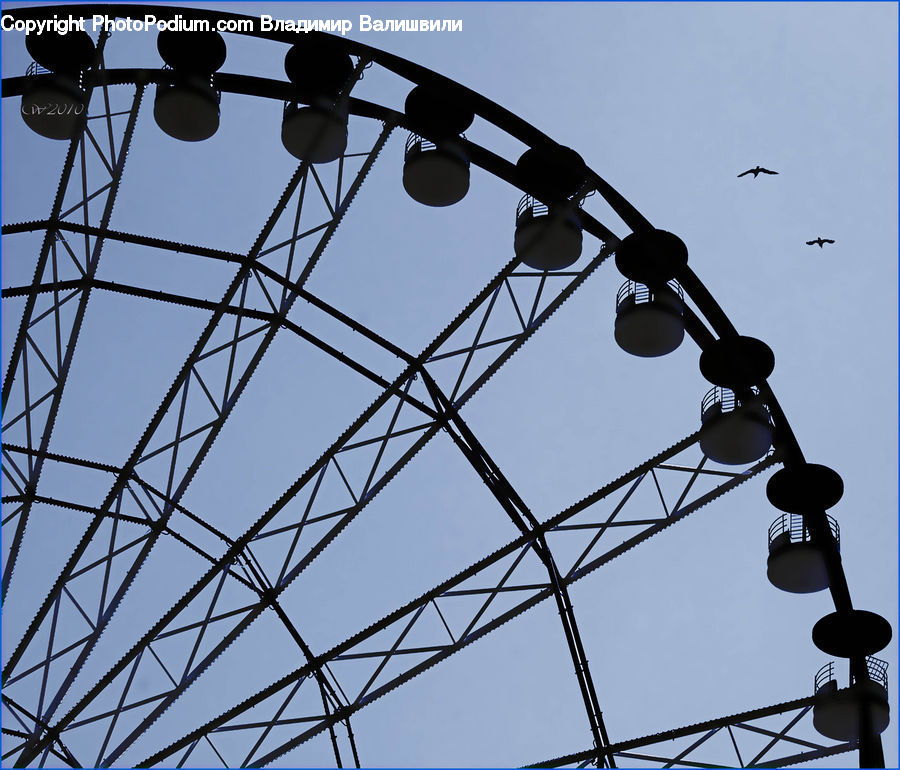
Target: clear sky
pixel 666 101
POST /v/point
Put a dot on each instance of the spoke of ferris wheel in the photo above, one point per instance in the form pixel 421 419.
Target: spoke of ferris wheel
pixel 399 622
pixel 181 385
pixel 315 472
pixel 44 254
pixel 42 423
pixel 29 345
pixel 16 711
pixel 512 503
pixel 737 726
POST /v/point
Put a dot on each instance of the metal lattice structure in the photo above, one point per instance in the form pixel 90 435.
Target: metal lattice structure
pixel 54 716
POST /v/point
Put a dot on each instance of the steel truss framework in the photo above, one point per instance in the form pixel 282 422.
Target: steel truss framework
pixel 748 730
pixel 246 575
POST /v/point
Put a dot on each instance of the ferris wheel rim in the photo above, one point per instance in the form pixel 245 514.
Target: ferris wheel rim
pixel 710 311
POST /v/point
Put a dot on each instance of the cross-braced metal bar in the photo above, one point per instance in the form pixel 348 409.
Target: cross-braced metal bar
pixel 146 499
pixel 144 502
pixel 475 603
pixel 719 742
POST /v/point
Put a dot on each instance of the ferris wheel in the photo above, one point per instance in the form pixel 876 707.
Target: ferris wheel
pixel 143 631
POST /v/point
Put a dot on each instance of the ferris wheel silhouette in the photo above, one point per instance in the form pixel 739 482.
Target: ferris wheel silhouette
pixel 77 695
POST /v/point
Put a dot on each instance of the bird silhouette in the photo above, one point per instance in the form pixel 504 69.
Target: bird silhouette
pixel 756 172
pixel 820 242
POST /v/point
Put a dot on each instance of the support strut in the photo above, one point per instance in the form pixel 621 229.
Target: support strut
pixel 527 524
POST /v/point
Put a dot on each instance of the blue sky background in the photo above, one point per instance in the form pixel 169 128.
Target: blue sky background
pixel 668 102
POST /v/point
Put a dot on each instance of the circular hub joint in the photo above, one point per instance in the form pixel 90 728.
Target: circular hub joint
pixel 651 257
pixel 199 53
pixel 318 67
pixel 806 487
pixel 848 634
pixel 553 173
pixel 737 362
pixel 438 113
pixel 70 53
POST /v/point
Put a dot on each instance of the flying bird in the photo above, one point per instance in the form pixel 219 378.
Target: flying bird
pixel 820 242
pixel 756 172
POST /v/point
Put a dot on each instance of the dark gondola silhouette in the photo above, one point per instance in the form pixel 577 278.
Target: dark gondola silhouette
pixel 756 172
pixel 820 242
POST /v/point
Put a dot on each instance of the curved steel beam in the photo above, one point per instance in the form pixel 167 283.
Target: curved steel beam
pixel 528 525
pixel 709 727
pixel 283 91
